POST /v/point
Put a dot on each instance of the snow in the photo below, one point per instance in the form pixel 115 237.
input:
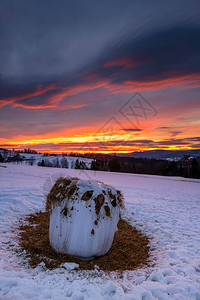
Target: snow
pixel 167 209
pixel 70 266
pixel 74 232
pixel 174 158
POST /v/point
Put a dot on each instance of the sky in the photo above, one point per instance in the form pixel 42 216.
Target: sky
pixel 99 76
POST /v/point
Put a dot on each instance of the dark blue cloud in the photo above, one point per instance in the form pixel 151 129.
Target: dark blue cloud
pixel 162 54
pixel 133 129
pixel 66 43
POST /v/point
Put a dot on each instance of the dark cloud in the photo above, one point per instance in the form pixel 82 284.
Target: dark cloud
pixel 183 141
pixel 132 129
pixel 175 133
pixel 163 127
pixel 69 44
pixel 194 139
pixel 163 54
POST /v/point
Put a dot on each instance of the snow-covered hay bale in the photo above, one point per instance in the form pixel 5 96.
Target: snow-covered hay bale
pixel 83 216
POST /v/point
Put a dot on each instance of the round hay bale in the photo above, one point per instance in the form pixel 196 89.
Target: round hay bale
pixel 83 216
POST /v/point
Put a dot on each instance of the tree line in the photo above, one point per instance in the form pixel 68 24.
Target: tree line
pixel 186 167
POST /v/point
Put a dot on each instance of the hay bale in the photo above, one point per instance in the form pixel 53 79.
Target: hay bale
pixel 83 216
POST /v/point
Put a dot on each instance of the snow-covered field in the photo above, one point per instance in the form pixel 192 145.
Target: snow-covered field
pixel 167 209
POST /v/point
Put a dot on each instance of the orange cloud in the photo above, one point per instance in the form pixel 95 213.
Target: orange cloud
pixel 125 62
pixel 93 81
pixel 179 81
pixel 56 99
pixel 40 90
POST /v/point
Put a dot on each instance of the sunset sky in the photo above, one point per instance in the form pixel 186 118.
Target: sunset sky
pixel 99 76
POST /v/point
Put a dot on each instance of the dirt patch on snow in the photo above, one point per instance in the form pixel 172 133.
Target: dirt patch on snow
pixel 107 210
pixel 87 195
pixel 99 201
pixel 130 249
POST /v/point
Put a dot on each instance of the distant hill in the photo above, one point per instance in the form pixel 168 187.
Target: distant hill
pixel 164 154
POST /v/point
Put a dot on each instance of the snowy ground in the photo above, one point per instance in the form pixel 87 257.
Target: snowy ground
pixel 167 209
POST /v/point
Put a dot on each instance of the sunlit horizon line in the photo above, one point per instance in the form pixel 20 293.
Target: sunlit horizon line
pixel 97 137
pixel 111 152
pixel 92 145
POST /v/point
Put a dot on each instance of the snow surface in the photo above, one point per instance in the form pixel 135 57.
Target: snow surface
pixel 75 232
pixel 167 209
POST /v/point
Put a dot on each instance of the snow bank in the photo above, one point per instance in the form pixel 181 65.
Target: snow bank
pixel 83 216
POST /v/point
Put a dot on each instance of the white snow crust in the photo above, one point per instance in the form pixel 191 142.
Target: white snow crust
pixel 167 209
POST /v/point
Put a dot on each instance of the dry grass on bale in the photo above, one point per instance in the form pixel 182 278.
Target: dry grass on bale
pixel 130 249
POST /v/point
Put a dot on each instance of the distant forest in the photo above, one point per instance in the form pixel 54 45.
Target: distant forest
pixel 186 167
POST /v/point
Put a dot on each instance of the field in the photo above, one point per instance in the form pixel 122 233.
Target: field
pixel 165 209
